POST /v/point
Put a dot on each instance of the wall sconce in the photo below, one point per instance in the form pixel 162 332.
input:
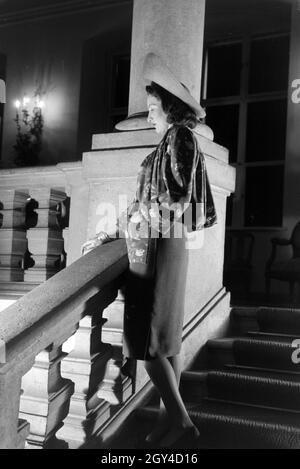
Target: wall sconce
pixel 24 104
pixel 39 103
pixel 30 122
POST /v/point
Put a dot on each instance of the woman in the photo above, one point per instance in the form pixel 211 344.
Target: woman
pixel 171 180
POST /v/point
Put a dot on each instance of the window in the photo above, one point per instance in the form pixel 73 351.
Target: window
pixel 266 124
pixel 269 61
pixel 224 70
pixel 245 95
pixel 225 126
pixel 263 201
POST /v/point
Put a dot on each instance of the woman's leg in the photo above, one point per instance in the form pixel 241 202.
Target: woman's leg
pixel 164 378
pixel 163 423
pixel 176 365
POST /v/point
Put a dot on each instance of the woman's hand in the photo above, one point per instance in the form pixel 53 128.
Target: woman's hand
pixel 98 240
pixel 89 246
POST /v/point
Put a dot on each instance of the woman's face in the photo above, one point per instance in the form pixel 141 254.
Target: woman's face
pixel 156 115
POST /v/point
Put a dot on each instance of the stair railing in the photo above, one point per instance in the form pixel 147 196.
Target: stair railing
pixel 35 367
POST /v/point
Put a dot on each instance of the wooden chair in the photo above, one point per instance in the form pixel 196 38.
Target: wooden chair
pixel 287 270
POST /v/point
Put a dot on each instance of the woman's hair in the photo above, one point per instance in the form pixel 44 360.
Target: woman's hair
pixel 177 111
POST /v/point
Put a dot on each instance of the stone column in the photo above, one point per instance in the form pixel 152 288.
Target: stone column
pixel 174 30
pixel 291 183
pixel 13 241
pixel 45 241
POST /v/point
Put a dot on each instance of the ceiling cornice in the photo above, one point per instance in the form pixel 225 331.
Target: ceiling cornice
pixel 57 9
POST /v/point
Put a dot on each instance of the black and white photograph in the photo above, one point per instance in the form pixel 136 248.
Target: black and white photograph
pixel 149 227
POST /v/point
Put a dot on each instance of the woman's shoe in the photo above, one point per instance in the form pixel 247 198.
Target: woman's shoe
pixel 145 443
pixel 188 440
pixel 142 443
pixel 162 426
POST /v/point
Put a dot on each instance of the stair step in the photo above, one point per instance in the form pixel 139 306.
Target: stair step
pixel 273 336
pixel 274 354
pixel 244 311
pixel 220 352
pixel 243 319
pixel 232 425
pixel 251 387
pixel 249 395
pixel 284 320
pixel 281 390
pixel 268 319
pixel 264 371
pixel 193 385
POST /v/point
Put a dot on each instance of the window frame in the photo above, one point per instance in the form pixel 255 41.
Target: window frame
pixel 243 99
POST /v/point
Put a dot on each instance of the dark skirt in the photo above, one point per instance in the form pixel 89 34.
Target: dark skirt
pixel 154 306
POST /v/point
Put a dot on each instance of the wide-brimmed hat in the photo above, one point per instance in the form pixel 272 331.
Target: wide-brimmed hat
pixel 156 70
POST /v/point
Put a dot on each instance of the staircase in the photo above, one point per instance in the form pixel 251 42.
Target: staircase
pixel 247 393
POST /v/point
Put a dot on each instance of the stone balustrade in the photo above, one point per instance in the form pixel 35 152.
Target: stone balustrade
pixel 31 239
pixel 37 376
pixel 34 223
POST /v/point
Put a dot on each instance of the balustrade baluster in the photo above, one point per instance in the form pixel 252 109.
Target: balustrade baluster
pixel 45 241
pixel 13 432
pixel 115 388
pixel 85 366
pixel 13 241
pixel 45 399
